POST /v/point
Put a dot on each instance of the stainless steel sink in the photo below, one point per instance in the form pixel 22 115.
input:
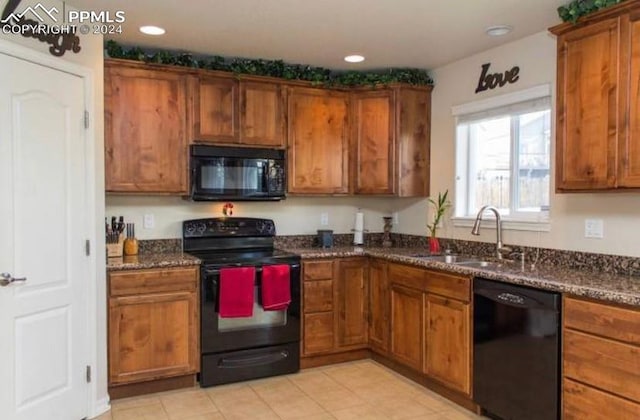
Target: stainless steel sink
pixel 467 261
pixel 477 263
pixel 449 259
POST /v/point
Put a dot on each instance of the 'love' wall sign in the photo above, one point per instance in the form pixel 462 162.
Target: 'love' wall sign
pixel 494 80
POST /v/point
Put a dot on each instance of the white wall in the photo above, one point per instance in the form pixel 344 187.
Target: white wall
pixel 295 215
pixel 91 56
pixel 455 84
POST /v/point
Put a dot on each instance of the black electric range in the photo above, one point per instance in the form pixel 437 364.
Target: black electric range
pixel 236 349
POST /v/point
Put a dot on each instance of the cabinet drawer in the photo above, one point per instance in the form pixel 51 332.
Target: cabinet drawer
pixel 602 319
pixel 318 333
pixel 407 276
pixel 583 402
pixel 318 270
pixel 153 281
pixel 448 285
pixel 318 296
pixel 609 365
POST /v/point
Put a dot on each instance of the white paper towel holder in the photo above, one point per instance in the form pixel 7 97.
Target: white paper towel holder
pixel 359 230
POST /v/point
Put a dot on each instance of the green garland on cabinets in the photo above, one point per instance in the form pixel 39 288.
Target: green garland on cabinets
pixel 578 8
pixel 274 68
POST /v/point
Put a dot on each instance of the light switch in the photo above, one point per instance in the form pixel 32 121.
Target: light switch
pixel 594 228
pixel 324 219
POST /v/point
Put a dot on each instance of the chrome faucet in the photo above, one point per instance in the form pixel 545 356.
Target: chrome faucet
pixel 476 229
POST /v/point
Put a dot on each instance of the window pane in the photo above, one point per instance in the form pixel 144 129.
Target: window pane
pixel 489 166
pixel 533 160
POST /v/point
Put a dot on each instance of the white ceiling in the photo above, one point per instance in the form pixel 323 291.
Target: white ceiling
pixel 390 33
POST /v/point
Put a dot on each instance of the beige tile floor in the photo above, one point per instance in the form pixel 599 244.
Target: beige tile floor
pixel 356 390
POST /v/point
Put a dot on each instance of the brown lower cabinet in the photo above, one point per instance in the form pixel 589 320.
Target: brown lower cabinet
pixel 378 306
pixel 448 352
pixel 407 338
pixel 431 324
pixel 335 301
pixel 601 360
pixel 418 318
pixel 153 328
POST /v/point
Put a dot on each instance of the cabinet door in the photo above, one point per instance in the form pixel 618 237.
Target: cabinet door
pixel 261 114
pixel 413 111
pixel 407 340
pixel 145 130
pixel 378 306
pixel 373 142
pixel 152 336
pixel 587 125
pixel 215 110
pixel 318 141
pixel 448 342
pixel 629 152
pixel 351 299
pixel 318 336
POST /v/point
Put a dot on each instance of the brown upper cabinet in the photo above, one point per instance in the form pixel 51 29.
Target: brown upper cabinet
pixel 391 141
pixel 413 140
pixel 373 142
pixel 241 112
pixel 318 152
pixel 146 132
pixel 384 133
pixel 262 114
pixel 597 101
pixel 215 109
pixel 339 141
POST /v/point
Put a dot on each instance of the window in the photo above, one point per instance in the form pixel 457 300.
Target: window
pixel 503 158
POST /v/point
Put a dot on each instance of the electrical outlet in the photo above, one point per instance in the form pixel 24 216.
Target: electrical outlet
pixel 149 221
pixel 594 228
pixel 324 219
pixel 396 218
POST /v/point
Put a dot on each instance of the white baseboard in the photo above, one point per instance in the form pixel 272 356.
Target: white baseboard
pixel 101 406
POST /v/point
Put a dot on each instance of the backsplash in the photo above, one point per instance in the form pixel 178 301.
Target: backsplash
pixel 593 262
pixel 159 246
pixel 339 239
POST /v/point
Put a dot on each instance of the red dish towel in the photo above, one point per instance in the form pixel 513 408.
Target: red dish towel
pixel 236 292
pixel 276 290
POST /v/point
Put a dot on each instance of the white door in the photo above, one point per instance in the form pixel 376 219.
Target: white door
pixel 43 227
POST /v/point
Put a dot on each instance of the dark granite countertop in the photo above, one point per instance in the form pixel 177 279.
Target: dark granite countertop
pixel 155 260
pixel 616 288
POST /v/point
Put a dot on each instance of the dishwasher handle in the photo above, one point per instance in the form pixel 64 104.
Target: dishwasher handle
pixel 517 296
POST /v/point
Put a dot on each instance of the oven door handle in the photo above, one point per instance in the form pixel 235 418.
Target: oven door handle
pixel 209 271
pixel 253 360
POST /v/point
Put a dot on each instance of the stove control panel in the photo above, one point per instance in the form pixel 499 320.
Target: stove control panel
pixel 228 226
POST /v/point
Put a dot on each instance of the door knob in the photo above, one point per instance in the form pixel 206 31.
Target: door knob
pixel 6 279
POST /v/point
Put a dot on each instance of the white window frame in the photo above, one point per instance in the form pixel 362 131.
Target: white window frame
pixel 527 221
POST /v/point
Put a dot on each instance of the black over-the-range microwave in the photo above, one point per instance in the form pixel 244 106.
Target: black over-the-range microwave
pixel 220 173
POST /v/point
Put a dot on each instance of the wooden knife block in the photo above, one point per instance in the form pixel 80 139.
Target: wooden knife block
pixel 115 250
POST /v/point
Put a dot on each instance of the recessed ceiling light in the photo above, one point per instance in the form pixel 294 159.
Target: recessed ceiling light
pixel 498 30
pixel 152 30
pixel 354 58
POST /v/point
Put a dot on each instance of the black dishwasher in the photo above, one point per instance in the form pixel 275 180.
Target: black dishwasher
pixel 516 354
